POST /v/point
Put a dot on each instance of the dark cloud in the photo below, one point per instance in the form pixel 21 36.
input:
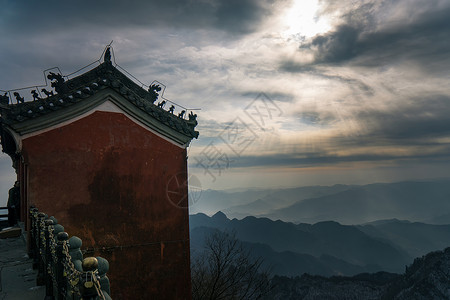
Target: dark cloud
pixel 422 38
pixel 290 66
pixel 415 121
pixel 240 16
pixel 317 159
pixel 235 17
pixel 337 46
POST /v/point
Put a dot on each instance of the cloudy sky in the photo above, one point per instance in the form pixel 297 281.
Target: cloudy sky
pixel 291 93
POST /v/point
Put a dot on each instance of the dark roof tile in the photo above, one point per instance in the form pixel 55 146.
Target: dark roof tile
pixel 79 88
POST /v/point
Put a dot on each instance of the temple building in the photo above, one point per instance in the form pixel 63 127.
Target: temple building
pixel 110 163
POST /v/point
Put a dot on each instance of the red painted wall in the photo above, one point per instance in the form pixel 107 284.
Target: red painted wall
pixel 105 179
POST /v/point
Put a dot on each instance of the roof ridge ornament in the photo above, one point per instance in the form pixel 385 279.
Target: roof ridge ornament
pixel 58 85
pixel 19 98
pixel 4 99
pixel 107 56
pixel 154 90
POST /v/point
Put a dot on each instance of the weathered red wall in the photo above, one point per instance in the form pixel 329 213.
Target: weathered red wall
pixel 105 179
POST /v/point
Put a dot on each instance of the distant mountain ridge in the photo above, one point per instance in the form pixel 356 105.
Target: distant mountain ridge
pixel 391 230
pixel 421 201
pixel 241 202
pixel 328 248
pixel 287 263
pixel 404 200
pixel 414 237
pixel 344 249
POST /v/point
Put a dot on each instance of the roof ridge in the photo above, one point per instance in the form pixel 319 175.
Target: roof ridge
pixel 87 84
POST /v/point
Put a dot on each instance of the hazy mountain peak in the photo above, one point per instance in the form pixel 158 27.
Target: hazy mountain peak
pixel 328 223
pixel 220 216
pixel 386 221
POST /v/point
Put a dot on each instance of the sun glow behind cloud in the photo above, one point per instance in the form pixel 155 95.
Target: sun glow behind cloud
pixel 301 20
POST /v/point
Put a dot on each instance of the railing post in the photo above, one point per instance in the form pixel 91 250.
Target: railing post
pixel 32 235
pixel 40 280
pixel 90 286
pixel 48 263
pixel 62 238
pixel 35 239
pixel 103 268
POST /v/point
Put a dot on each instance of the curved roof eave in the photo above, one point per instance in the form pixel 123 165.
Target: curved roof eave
pixel 81 109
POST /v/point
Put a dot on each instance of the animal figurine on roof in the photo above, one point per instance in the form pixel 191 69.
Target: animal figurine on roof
pixel 4 99
pixel 53 76
pixel 171 109
pixel 47 93
pixel 35 95
pixel 18 98
pixel 192 116
pixel 59 83
pixel 181 114
pixel 162 103
pixel 153 91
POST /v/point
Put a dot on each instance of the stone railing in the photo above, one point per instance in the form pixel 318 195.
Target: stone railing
pixel 60 263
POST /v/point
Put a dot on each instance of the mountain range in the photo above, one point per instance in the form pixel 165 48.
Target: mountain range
pixel 326 248
pixel 419 201
pixel 383 241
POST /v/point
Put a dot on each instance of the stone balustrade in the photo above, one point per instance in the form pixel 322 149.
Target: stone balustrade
pixel 61 266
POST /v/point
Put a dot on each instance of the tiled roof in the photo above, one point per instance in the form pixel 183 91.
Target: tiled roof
pixel 79 89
